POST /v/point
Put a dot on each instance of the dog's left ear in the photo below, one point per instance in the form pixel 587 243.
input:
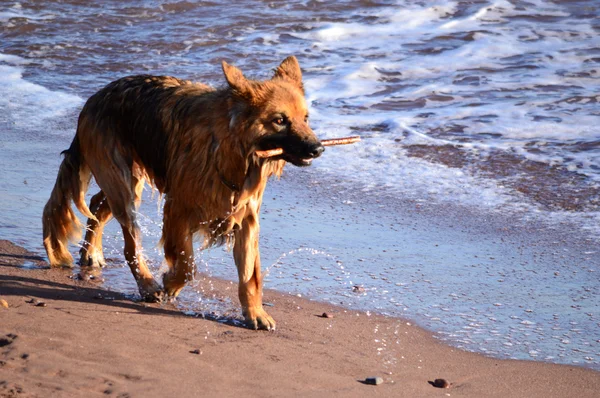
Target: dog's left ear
pixel 290 70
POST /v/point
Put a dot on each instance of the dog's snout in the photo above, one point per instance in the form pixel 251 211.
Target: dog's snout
pixel 317 150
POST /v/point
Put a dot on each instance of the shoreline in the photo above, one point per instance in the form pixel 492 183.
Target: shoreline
pixel 482 282
pixel 87 340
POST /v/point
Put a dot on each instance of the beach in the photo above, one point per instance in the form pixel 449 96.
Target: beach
pixel 86 341
pixel 457 240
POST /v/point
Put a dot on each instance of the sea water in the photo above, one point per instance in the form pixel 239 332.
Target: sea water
pixel 480 132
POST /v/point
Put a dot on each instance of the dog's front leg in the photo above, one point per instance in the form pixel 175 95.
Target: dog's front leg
pixel 247 260
pixel 179 252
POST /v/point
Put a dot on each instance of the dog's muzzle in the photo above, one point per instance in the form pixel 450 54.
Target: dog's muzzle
pixel 313 151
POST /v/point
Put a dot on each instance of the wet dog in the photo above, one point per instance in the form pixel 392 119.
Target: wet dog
pixel 194 144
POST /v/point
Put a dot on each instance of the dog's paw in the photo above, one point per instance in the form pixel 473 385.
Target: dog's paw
pixel 259 319
pixel 88 259
pixel 154 297
pixel 152 292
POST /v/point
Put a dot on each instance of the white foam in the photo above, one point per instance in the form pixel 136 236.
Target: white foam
pixel 26 104
pixel 347 91
pixel 17 12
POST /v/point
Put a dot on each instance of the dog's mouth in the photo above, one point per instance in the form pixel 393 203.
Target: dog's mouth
pixel 297 152
pixel 297 161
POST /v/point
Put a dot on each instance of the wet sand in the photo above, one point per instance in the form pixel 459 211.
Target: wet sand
pixel 88 341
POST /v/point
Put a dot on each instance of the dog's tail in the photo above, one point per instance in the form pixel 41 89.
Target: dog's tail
pixel 60 224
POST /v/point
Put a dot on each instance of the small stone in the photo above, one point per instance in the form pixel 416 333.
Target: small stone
pixel 374 381
pixel 8 339
pixel 358 289
pixel 3 303
pixel 196 351
pixel 40 304
pixel 326 315
pixel 441 383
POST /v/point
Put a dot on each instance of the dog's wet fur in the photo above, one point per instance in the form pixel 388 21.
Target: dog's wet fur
pixel 194 144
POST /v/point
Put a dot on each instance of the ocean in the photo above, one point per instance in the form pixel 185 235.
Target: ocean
pixel 471 205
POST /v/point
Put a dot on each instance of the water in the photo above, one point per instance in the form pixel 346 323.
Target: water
pixel 479 123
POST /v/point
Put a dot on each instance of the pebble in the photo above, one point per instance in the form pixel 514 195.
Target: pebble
pixel 358 289
pixel 3 303
pixel 441 383
pixel 8 339
pixel 326 315
pixel 374 381
pixel 196 351
pixel 40 304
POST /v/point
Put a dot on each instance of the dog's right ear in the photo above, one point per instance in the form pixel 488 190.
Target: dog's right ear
pixel 236 80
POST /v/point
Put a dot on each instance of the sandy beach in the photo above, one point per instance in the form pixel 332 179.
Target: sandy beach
pixel 86 341
pixel 458 241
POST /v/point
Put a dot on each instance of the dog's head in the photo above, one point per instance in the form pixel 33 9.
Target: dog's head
pixel 273 114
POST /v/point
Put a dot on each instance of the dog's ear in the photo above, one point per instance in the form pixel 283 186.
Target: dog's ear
pixel 236 80
pixel 290 70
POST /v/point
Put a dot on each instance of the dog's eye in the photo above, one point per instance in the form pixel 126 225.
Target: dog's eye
pixel 279 121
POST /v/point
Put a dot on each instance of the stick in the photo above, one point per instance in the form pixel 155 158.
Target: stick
pixel 334 141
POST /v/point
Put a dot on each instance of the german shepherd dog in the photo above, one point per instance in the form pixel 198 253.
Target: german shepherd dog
pixel 194 144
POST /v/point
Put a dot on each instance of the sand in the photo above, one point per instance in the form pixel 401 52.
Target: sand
pixel 86 341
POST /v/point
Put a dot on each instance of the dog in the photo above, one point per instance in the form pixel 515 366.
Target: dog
pixel 196 145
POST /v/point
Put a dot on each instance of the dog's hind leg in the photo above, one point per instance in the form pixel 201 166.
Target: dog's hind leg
pixel 149 289
pixel 91 250
pixel 179 251
pixel 122 191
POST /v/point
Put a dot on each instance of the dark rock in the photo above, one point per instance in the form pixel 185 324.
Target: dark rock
pixel 8 339
pixel 374 381
pixel 441 383
pixel 358 289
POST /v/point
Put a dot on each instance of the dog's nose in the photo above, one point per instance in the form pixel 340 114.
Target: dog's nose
pixel 317 150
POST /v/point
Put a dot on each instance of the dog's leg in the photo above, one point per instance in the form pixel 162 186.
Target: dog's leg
pixel 179 252
pixel 149 289
pixel 247 260
pixel 91 250
pixel 122 199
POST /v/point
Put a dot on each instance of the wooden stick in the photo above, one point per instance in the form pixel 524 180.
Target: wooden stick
pixel 334 141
